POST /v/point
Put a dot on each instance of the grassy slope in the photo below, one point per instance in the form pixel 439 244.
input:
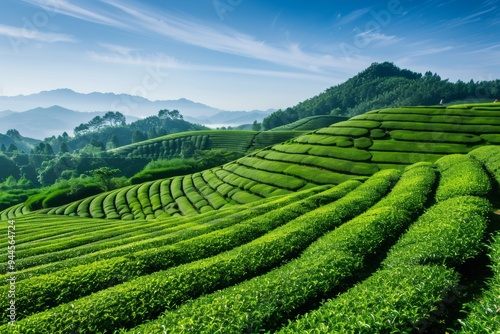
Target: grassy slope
pixel 352 149
pixel 243 141
pixel 134 271
pixel 311 123
pixel 251 226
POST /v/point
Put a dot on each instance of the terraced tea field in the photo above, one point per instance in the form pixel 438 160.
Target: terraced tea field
pixel 327 233
pixel 242 141
pixel 311 123
pixel 349 150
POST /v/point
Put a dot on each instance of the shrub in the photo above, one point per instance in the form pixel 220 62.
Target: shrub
pixel 358 124
pixel 351 154
pixel 344 131
pixel 491 138
pixel 345 143
pixel 401 146
pixel 377 134
pixel 483 314
pixel 413 279
pixel 435 136
pixel 187 281
pixel 403 158
pixel 441 127
pixel 363 143
pixel 461 175
pixel 329 264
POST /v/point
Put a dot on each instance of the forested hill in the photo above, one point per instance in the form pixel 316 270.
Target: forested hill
pixel 384 85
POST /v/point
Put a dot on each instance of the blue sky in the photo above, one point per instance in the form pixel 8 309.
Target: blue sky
pixel 238 54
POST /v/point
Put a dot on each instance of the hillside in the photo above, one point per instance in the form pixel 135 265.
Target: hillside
pixel 386 222
pixel 385 85
pixel 353 149
pixel 311 123
pixel 24 144
pixel 233 140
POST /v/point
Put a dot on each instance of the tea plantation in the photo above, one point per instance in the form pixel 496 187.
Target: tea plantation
pixel 243 141
pixel 388 222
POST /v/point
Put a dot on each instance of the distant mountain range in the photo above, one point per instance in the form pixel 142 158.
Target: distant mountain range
pixel 41 123
pixel 52 112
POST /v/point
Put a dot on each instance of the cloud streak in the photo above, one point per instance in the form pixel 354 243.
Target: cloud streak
pixel 24 33
pixel 213 37
pixel 353 16
pixel 65 8
pixel 163 61
pixel 225 40
pixel 468 19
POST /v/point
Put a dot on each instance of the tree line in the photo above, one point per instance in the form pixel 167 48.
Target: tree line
pixel 384 85
pixel 67 157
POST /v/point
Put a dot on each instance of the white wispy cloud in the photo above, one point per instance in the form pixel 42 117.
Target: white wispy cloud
pixel 379 39
pixel 352 16
pixel 484 50
pixel 430 51
pixel 468 19
pixel 143 20
pixel 119 49
pixel 223 39
pixel 25 33
pixel 163 61
pixel 132 58
pixel 70 9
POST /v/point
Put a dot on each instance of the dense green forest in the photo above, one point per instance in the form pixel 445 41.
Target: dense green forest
pixel 384 85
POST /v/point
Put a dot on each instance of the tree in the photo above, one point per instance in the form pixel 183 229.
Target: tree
pixel 81 129
pixel 63 148
pixel 175 114
pixel 12 148
pixel 163 114
pixel 47 176
pixel 3 148
pixel 29 172
pixel 137 136
pixel 48 150
pixel 7 168
pixel 96 123
pixel 14 134
pixel 114 118
pixel 256 126
pixel 187 149
pixel 112 143
pixel 97 143
pixel 335 112
pixel 20 159
pixel 152 133
pixel 104 176
pixel 167 114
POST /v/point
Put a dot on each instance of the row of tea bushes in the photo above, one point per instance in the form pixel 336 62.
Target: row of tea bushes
pixel 134 302
pixel 230 232
pixel 417 275
pixel 328 265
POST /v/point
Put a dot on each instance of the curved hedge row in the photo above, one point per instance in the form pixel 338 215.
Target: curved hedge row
pixel 195 242
pixel 255 267
pixel 352 149
pixel 330 263
pixel 133 302
pixel 418 274
pixel 166 147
